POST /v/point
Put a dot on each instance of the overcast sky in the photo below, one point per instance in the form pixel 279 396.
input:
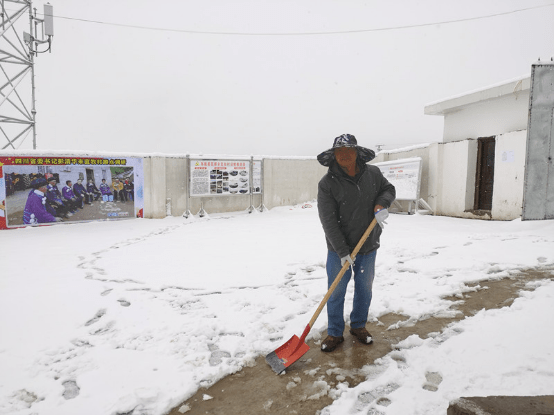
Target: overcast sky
pixel 272 77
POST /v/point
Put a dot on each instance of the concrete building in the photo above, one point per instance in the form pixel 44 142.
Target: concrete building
pixel 478 169
pixel 496 157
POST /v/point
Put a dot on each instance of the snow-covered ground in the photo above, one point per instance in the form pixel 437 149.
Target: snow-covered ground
pixel 135 315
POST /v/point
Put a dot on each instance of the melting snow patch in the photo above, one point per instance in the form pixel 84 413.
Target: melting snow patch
pixel 207 397
pixel 312 372
pixel 323 388
pixel 184 408
pixel 337 392
pixel 410 342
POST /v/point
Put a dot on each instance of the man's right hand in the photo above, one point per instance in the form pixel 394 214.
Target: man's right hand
pixel 346 259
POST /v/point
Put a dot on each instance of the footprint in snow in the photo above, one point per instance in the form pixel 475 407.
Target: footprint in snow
pixel 123 302
pixel 107 328
pixel 97 317
pixel 378 396
pixel 71 391
pixel 216 357
pixel 433 380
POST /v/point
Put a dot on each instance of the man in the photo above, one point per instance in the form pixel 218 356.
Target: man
pixel 129 188
pixel 55 200
pixel 73 200
pixel 36 210
pixel 93 190
pixel 106 192
pixel 80 191
pixel 119 193
pixel 349 197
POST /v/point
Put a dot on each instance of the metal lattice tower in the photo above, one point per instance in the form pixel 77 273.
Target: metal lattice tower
pixel 17 76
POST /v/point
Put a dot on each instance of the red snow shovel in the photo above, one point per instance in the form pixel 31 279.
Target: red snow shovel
pixel 294 348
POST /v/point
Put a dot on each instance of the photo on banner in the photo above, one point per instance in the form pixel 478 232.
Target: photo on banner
pixel 52 190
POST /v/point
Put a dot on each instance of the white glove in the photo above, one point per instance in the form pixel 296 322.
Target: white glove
pixel 346 259
pixel 381 216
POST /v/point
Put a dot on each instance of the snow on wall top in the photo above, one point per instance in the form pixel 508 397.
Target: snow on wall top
pixel 511 86
pixel 91 153
pixel 406 149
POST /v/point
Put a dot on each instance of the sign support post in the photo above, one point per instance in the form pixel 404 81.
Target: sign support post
pixel 251 207
pixel 201 213
pixel 187 212
pixel 262 207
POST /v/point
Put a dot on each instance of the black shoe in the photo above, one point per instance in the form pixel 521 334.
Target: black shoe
pixel 363 336
pixel 330 343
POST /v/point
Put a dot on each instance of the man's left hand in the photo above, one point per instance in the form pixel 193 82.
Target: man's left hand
pixel 381 215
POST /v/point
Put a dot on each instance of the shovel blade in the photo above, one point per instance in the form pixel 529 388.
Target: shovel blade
pixel 286 354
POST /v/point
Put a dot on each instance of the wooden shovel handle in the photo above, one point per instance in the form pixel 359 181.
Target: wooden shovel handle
pixel 342 271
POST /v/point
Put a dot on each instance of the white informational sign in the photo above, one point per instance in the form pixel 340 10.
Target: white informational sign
pixel 219 177
pixel 404 174
pixel 257 177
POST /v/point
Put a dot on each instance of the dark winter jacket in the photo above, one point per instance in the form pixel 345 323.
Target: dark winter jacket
pixel 53 194
pixel 79 190
pixel 346 206
pixel 91 188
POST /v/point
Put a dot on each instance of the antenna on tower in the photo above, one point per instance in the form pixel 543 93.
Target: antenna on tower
pixel 17 98
pixel 46 33
pixel 48 20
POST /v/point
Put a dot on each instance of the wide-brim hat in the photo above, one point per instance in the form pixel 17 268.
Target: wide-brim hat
pixel 327 157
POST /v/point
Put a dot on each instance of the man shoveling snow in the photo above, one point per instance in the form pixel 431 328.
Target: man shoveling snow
pixel 350 195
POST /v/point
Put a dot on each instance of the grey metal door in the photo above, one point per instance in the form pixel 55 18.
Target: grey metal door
pixel 538 192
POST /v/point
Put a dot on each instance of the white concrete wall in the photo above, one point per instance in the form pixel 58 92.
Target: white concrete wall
pixel 286 182
pixel 507 196
pixel 449 177
pixel 154 187
pixel 292 181
pixel 488 118
pixel 435 172
pixel 176 185
pixel 448 181
pixel 453 180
